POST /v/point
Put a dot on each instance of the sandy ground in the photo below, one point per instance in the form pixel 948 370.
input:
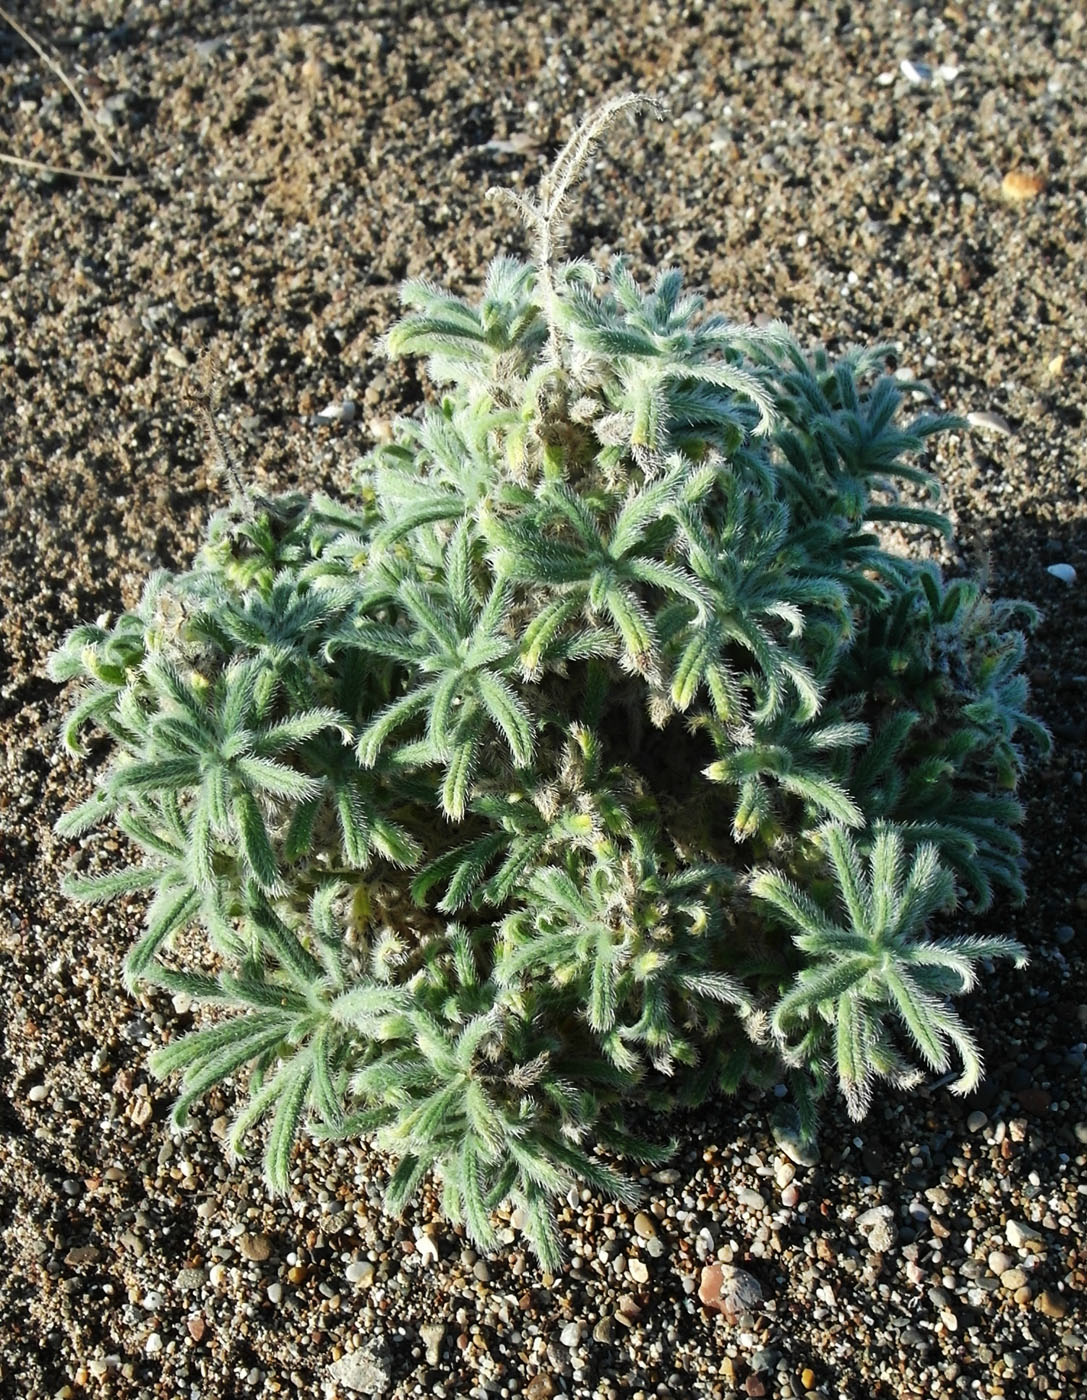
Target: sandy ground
pixel 290 164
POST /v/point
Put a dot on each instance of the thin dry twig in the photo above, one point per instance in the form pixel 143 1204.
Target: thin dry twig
pixel 59 71
pixel 46 169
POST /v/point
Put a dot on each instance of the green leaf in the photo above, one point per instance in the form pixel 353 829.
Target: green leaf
pixel 921 1013
pixel 96 889
pixel 169 913
pixel 404 1183
pixel 265 775
pixel 154 776
pixel 299 838
pixel 458 776
pixel 257 1028
pixel 540 633
pixel 508 713
pixel 259 856
pixel 80 819
pixel 816 986
pixel 374 735
pixel 476 1215
pixel 691 668
pixel 297 1075
pixel 602 1003
pixel 300 966
pixel 201 863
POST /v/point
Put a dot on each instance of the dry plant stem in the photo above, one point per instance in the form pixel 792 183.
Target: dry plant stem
pixel 59 71
pixel 209 377
pixel 542 215
pixel 45 169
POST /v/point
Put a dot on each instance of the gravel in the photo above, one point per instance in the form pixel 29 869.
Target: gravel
pixel 909 174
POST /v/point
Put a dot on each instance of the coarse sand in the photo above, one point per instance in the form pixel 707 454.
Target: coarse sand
pixel 866 173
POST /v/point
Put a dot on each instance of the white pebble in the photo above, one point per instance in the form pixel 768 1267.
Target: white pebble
pixel 570 1334
pixel 1064 572
pixel 915 72
pixel 976 1121
pixel 993 421
pixel 361 1271
pixel 1018 1232
pixel 153 1345
pixel 427 1248
pixel 878 1227
pixel 275 1293
pixel 947 72
pixel 38 1093
pixel 337 412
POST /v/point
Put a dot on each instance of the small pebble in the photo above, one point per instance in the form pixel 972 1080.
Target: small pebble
pixel 976 1121
pixel 878 1227
pixel 427 1249
pixel 1019 1232
pixel 785 1126
pixel 1020 186
pixel 730 1290
pixel 432 1334
pixel 82 1254
pixel 366 1371
pixel 1065 572
pixel 993 421
pixel 644 1225
pixel 915 72
pixel 255 1248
